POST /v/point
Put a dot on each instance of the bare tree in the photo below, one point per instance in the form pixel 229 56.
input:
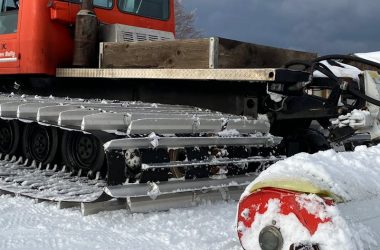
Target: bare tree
pixel 185 22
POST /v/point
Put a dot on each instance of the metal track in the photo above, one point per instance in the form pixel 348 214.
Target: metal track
pixel 24 178
pixel 137 126
pixel 131 117
pixel 58 186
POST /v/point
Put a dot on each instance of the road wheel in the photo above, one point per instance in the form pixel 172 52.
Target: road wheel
pixel 82 151
pixel 9 136
pixel 40 143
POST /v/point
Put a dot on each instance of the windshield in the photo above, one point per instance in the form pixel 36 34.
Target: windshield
pixel 9 5
pixel 158 9
pixel 8 16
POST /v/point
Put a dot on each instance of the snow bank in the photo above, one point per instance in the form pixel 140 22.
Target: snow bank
pixel 348 175
pixel 351 176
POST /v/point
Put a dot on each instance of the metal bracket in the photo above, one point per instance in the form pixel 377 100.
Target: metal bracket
pixel 214 53
pixel 116 167
pixel 101 49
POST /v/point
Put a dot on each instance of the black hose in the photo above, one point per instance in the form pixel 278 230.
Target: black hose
pixel 357 93
pixel 317 66
pixel 347 57
pixel 326 71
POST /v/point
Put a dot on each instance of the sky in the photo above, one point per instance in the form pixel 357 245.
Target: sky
pixel 322 26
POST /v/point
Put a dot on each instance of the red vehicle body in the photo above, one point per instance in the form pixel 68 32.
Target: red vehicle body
pixel 256 204
pixel 42 38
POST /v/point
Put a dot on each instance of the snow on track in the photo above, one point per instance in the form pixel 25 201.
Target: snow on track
pixel 25 225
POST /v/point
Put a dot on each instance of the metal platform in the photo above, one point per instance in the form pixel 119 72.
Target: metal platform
pixel 259 75
pixel 244 75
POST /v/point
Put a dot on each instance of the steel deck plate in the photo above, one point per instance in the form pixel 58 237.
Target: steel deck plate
pixel 257 75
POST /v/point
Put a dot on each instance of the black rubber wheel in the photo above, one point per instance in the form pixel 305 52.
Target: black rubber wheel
pixel 82 151
pixel 9 136
pixel 304 140
pixel 40 143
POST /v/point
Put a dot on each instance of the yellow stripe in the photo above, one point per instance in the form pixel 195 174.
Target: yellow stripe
pixel 373 74
pixel 300 186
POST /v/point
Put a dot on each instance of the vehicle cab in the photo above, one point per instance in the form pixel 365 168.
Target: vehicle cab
pixel 37 36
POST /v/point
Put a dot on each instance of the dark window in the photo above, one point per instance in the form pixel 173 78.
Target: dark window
pixel 108 4
pixel 158 9
pixel 103 3
pixel 8 16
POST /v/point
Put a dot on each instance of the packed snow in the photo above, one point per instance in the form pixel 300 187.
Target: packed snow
pixel 348 175
pixel 42 226
pixel 355 119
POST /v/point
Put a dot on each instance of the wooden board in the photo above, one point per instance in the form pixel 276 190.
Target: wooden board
pixel 202 53
pixel 158 54
pixel 235 54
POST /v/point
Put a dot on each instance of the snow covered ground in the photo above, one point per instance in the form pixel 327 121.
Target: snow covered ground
pixel 25 225
pixel 352 176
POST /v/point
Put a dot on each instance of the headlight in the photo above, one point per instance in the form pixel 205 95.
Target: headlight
pixel 270 238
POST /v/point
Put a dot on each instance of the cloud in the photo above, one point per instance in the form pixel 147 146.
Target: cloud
pixel 323 26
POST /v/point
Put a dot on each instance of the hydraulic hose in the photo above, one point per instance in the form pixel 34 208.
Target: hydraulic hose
pixel 357 93
pixel 351 88
pixel 326 71
pixel 347 57
pixel 316 65
pixel 308 64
